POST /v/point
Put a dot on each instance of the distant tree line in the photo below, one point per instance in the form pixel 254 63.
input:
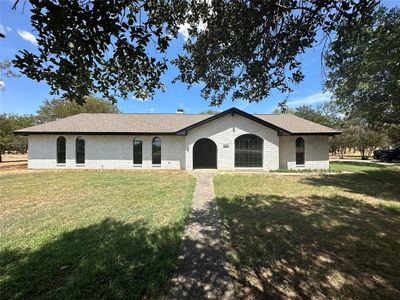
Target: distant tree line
pixel 9 141
pixel 50 110
pixel 210 112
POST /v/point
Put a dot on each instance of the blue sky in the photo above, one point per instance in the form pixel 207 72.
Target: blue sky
pixel 24 96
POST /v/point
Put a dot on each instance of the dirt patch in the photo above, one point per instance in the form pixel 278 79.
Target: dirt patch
pixel 14 163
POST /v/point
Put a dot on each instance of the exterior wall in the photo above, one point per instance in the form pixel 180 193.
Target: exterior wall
pixel 42 152
pixel 116 151
pixel 316 154
pixel 105 151
pixel 224 131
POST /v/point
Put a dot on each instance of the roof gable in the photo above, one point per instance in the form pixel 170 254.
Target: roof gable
pixel 234 111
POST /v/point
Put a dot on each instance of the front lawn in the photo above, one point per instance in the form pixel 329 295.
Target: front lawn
pixel 329 236
pixel 343 166
pixel 349 166
pixel 88 234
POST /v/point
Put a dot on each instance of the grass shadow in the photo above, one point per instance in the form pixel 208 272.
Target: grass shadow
pixel 314 247
pixel 360 164
pixel 376 183
pixel 108 260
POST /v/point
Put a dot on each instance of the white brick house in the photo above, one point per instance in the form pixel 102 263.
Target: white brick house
pixel 229 140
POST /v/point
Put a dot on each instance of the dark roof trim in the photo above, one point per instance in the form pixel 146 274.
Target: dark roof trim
pixel 154 133
pixel 234 110
pixel 96 133
pixel 317 133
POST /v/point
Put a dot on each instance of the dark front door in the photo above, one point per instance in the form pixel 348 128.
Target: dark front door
pixel 205 154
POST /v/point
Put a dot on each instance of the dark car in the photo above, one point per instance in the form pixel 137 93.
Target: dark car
pixel 387 154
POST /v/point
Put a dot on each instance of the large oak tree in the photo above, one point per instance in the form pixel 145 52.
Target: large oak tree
pixel 364 64
pixel 238 48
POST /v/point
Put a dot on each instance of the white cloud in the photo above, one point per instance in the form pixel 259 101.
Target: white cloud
pixel 312 99
pixel 8 28
pixel 2 29
pixel 140 99
pixel 151 109
pixel 2 85
pixel 27 36
pixel 201 26
pixel 184 30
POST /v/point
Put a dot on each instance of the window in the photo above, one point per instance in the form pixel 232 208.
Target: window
pixel 248 151
pixel 299 151
pixel 156 151
pixel 61 150
pixel 137 151
pixel 80 150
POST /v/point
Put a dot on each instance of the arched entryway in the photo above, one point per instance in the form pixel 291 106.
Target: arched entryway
pixel 205 154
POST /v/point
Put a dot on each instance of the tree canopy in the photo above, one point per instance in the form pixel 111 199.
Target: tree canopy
pixel 248 48
pixel 108 47
pixel 10 141
pixel 115 48
pixel 209 112
pixel 55 109
pixel 364 63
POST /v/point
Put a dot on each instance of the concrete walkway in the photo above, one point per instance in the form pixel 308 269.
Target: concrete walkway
pixel 202 270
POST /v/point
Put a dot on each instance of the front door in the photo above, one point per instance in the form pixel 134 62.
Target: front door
pixel 205 154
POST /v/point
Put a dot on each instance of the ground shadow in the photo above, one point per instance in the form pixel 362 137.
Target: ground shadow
pixel 314 247
pixel 14 161
pixel 202 271
pixel 361 164
pixel 384 184
pixel 109 260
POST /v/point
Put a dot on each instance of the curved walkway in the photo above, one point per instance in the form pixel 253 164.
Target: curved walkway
pixel 202 270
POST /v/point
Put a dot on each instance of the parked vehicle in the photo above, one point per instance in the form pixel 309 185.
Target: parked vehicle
pixel 387 154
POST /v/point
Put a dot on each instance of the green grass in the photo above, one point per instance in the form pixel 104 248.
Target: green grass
pixel 329 236
pixel 87 234
pixel 340 166
pixel 301 171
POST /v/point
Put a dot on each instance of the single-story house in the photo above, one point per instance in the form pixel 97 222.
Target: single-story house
pixel 230 140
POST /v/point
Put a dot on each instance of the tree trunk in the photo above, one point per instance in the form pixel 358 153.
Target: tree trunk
pixel 333 150
pixel 1 159
pixel 341 153
pixel 362 150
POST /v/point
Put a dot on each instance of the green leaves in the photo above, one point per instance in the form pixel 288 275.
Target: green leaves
pixel 101 47
pixel 247 47
pixel 364 63
pixel 8 140
pixel 52 110
pixel 239 49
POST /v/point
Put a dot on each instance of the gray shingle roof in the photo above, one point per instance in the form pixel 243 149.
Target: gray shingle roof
pixel 160 123
pixel 118 123
pixel 295 124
